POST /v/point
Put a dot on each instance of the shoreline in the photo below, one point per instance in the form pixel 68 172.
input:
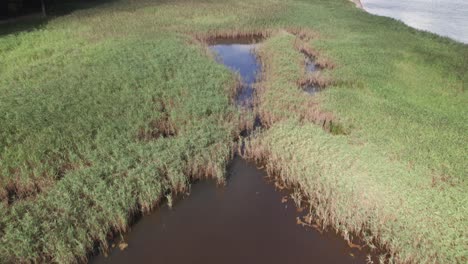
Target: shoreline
pixel 358 4
pixel 301 147
pixel 416 16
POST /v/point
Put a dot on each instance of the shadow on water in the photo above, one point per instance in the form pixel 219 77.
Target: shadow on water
pixel 246 221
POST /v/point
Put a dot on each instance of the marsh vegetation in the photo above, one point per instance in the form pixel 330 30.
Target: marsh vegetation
pixel 248 219
pixel 108 110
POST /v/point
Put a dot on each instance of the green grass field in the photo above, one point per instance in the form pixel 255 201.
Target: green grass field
pixel 112 107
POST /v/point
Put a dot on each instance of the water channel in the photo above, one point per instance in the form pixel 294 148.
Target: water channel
pixel 246 221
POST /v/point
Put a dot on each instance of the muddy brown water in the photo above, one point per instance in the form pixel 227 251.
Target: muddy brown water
pixel 248 220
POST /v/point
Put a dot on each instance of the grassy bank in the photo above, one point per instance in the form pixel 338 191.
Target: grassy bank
pixel 399 188
pixel 96 131
pixel 109 109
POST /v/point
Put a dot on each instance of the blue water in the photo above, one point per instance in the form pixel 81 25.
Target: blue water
pixel 447 18
pixel 240 58
pixel 310 68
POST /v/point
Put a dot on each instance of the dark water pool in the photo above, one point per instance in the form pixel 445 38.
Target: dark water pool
pixel 311 67
pixel 311 89
pixel 247 221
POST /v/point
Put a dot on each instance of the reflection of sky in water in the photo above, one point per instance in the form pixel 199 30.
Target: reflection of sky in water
pixel 444 17
pixel 310 66
pixel 311 89
pixel 239 58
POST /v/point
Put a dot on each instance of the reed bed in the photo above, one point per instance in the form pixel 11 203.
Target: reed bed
pixel 358 193
pixel 280 95
pixel 125 133
pixel 114 106
pixel 350 184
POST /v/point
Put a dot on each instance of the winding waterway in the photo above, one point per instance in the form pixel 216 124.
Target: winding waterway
pixel 447 18
pixel 247 221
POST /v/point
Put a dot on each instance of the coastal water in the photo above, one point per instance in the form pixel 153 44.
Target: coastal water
pixel 447 18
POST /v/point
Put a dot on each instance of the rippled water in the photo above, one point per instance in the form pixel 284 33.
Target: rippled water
pixel 447 18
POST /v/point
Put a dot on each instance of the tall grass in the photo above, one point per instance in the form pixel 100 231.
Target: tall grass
pixel 108 109
pixel 73 153
pixel 360 184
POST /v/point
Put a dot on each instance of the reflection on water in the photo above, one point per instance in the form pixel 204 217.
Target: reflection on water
pixel 311 67
pixel 444 17
pixel 240 58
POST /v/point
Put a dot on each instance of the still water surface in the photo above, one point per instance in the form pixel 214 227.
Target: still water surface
pixel 248 221
pixel 447 18
pixel 241 59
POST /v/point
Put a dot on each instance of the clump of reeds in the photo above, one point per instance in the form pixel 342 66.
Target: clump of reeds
pixel 316 79
pixel 212 164
pixel 232 36
pixel 161 127
pixel 4 194
pixel 303 46
pixel 309 191
pixel 303 33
